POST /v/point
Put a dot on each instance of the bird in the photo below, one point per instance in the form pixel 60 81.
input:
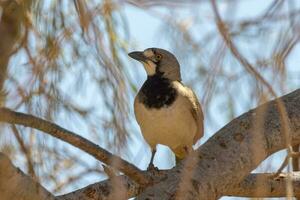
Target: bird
pixel 167 111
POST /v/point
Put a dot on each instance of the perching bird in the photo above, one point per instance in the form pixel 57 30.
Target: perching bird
pixel 167 111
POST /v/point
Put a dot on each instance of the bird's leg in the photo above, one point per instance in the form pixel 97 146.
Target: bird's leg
pixel 177 160
pixel 151 165
pixel 182 153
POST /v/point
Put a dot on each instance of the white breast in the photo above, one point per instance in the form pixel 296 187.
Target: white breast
pixel 173 126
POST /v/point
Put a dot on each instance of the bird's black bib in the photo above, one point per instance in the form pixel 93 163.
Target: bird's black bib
pixel 157 92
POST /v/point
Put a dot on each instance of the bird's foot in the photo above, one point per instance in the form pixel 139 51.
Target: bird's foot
pixel 152 168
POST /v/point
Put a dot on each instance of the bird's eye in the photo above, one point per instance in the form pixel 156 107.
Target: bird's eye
pixel 158 57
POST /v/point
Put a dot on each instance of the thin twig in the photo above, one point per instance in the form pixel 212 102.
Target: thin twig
pixel 25 151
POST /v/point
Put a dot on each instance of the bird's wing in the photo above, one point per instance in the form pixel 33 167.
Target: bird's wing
pixel 198 116
pixel 196 111
pixel 136 111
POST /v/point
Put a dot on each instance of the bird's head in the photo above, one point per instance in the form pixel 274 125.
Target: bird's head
pixel 158 62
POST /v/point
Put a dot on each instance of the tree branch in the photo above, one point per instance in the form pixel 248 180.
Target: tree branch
pixel 14 184
pixel 264 185
pixel 254 185
pixel 9 116
pixel 104 190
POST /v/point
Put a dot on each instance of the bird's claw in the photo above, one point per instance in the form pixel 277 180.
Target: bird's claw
pixel 151 167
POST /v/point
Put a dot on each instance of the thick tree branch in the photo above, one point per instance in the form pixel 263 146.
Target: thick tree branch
pixel 14 184
pixel 264 185
pixel 254 185
pixel 9 116
pixel 104 190
pixel 231 154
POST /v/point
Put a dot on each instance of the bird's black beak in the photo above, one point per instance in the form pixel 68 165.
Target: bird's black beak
pixel 138 55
